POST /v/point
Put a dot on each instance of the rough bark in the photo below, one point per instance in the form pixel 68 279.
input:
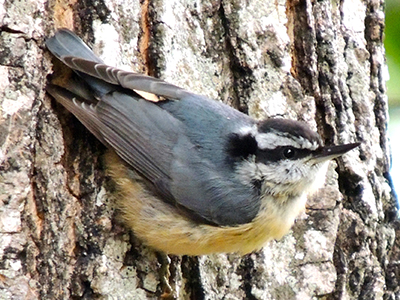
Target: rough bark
pixel 321 62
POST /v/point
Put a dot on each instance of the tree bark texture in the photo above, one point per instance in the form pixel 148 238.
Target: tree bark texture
pixel 321 62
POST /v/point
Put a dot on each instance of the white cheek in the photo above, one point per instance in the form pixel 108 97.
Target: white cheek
pixel 293 177
pixel 286 172
pixel 320 176
pixel 247 171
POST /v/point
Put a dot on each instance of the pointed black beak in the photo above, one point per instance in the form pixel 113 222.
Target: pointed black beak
pixel 331 152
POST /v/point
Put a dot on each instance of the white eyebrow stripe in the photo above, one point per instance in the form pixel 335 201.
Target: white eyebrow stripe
pixel 272 140
pixel 246 130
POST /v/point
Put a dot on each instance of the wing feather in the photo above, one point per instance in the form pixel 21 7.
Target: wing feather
pixel 178 145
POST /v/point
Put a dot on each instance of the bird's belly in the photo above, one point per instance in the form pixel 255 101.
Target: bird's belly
pixel 160 226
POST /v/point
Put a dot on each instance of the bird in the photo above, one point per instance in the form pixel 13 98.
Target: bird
pixel 194 176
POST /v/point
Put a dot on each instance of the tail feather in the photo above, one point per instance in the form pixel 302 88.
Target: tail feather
pixel 66 43
pixel 73 52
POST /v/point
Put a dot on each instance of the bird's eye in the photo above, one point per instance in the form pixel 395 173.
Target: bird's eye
pixel 289 152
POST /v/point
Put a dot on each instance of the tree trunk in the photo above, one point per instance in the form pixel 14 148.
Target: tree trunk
pixel 321 62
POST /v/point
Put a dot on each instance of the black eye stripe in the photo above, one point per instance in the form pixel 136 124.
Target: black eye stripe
pixel 281 153
pixel 241 146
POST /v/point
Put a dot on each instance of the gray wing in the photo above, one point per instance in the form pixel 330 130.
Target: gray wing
pixel 122 123
pixel 170 142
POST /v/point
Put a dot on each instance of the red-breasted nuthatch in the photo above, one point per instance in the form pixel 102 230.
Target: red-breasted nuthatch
pixel 194 175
